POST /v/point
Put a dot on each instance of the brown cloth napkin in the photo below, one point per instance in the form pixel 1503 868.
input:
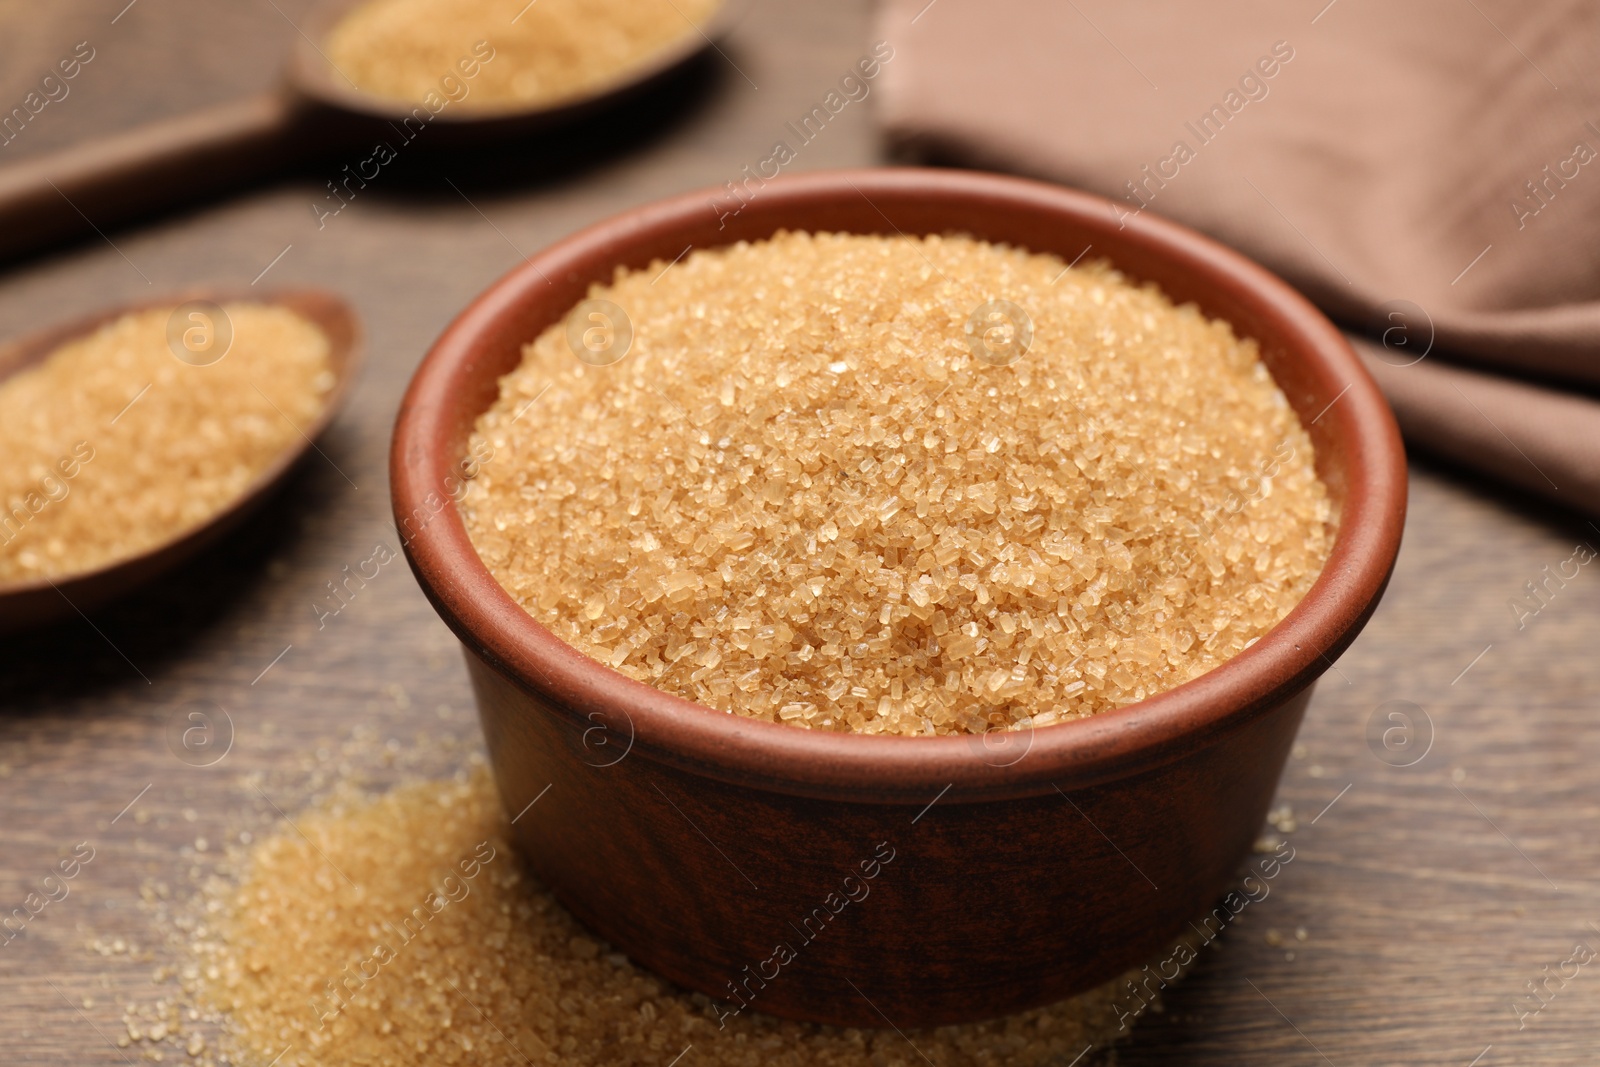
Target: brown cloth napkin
pixel 1427 172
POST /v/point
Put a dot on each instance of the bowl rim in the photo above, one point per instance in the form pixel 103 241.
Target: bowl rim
pixel 903 770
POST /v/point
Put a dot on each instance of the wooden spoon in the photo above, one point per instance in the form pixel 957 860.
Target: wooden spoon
pixel 69 194
pixel 33 602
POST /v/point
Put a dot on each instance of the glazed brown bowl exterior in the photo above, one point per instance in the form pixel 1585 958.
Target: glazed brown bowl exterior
pixel 878 881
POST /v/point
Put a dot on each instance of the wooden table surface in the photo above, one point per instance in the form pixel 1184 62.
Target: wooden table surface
pixel 1422 900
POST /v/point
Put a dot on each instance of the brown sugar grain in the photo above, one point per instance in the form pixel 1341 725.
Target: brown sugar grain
pixel 802 496
pixel 403 931
pixel 530 53
pixel 112 445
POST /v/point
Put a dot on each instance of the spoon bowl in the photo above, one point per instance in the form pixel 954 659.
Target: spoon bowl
pixel 314 113
pixel 312 76
pixel 32 602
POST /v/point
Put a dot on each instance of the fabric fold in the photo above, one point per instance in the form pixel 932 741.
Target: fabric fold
pixel 1428 173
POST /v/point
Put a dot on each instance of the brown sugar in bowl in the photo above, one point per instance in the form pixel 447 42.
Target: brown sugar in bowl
pixel 877 881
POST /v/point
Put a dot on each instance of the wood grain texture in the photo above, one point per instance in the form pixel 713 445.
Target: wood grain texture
pixel 1429 894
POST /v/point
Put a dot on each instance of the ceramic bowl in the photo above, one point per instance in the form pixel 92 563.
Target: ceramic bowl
pixel 877 881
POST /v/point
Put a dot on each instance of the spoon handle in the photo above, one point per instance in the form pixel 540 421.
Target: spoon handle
pixel 95 186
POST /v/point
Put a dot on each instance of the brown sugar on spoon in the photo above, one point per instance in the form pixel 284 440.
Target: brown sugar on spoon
pixel 808 494
pixel 112 445
pixel 536 53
